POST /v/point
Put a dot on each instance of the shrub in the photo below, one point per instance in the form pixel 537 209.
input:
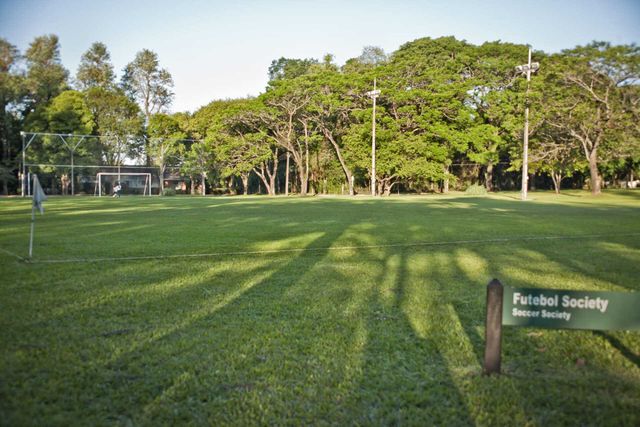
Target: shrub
pixel 169 192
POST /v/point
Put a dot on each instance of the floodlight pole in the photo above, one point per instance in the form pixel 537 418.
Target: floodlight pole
pixel 286 179
pixel 24 167
pixel 373 94
pixel 525 144
pixel 25 145
pixel 526 70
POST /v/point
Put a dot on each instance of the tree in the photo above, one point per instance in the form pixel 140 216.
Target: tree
pixel 164 144
pixel 118 122
pixel 148 84
pixel 427 92
pixel 68 115
pixel 288 68
pixel 498 98
pixel 198 160
pixel 95 69
pixel 46 77
pixel 597 102
pixel 554 152
pixel 11 90
pixel 371 57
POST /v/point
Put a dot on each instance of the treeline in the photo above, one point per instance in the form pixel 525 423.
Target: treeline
pixel 450 114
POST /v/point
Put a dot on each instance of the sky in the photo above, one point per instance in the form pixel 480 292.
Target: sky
pixel 222 49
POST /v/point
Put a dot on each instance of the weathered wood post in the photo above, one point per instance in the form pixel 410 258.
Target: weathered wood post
pixel 493 328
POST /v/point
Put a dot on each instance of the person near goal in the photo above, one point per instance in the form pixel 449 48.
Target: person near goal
pixel 116 190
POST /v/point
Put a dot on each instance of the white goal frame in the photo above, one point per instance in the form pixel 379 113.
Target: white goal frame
pixel 147 182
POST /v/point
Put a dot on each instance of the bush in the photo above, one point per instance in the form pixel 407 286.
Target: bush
pixel 169 192
pixel 476 190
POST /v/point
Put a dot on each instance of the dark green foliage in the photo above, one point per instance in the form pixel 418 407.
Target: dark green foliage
pixel 449 113
pixel 287 68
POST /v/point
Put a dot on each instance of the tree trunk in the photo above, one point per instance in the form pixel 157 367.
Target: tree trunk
pixel 596 181
pixel 273 174
pixel 161 181
pixel 347 172
pixel 445 183
pixel 268 173
pixel 245 183
pixel 557 178
pixel 204 184
pixel 488 177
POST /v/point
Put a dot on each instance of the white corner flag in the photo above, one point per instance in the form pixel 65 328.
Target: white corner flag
pixel 38 195
pixel 38 203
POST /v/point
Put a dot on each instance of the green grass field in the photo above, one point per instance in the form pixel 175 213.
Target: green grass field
pixel 291 311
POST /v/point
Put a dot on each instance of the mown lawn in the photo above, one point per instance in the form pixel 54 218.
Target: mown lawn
pixel 319 310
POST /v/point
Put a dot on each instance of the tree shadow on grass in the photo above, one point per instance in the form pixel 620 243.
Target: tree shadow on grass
pixel 257 349
pixel 629 354
pixel 581 377
pixel 405 375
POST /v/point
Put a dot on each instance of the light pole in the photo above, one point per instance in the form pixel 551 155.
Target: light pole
pixel 373 94
pixel 526 69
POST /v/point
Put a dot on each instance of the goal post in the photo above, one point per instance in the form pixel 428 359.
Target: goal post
pixel 144 183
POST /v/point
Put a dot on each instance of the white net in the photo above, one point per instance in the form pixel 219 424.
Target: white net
pixel 118 183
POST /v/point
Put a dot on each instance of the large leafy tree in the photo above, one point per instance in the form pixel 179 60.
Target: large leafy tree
pixel 231 141
pixel 333 99
pixel 498 99
pixel 118 122
pixel 46 78
pixel 11 91
pixel 70 118
pixel 289 68
pixel 95 69
pixel 165 143
pixel 148 84
pixel 596 100
pixel 243 145
pixel 285 124
pixel 427 91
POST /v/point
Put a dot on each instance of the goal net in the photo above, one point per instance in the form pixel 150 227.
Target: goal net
pixel 130 183
pixel 69 164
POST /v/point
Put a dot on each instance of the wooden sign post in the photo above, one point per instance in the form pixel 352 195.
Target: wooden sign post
pixel 554 309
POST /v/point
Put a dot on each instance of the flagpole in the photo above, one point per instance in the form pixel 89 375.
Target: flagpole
pixel 38 199
pixel 33 221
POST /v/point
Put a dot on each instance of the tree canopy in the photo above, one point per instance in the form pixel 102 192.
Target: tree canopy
pixel 450 114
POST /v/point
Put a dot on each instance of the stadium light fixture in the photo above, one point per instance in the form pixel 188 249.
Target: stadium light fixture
pixel 373 94
pixel 526 70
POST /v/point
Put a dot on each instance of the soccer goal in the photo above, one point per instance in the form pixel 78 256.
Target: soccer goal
pixel 131 182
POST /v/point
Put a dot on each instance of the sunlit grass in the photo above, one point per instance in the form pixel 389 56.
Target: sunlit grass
pixel 343 319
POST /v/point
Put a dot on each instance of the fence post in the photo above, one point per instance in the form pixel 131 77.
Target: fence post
pixel 493 328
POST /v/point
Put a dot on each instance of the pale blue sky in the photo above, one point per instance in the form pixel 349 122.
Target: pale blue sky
pixel 222 49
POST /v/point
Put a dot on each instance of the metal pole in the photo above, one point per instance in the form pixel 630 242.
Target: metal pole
pixel 73 192
pixel 525 145
pixel 73 185
pixel 373 143
pixel 33 221
pixel 286 179
pixel 24 167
